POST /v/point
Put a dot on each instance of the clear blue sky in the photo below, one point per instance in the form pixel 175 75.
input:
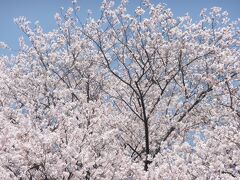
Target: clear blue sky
pixel 44 10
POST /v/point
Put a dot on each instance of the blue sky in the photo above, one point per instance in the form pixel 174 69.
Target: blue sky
pixel 44 10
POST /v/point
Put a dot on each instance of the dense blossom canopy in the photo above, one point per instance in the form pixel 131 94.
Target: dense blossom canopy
pixel 125 96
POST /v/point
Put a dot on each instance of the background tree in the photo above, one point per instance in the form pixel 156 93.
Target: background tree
pixel 144 96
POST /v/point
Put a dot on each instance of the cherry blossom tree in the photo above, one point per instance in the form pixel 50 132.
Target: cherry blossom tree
pixel 124 96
